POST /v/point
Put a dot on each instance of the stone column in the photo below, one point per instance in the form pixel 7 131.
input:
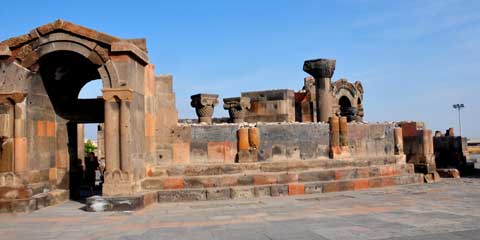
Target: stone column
pixel 343 131
pixel 16 128
pixel 334 136
pixel 398 138
pixel 119 169
pixel 116 127
pixel 81 143
pixel 204 105
pixel 237 108
pixel 322 70
pixel 125 163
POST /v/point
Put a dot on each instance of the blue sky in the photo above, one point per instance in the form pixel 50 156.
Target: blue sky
pixel 415 58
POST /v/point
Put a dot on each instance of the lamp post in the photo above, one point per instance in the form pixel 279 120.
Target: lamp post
pixel 459 107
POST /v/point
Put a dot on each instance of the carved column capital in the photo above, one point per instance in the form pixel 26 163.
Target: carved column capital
pixel 123 94
pixel 204 105
pixel 320 68
pixel 237 108
pixel 12 97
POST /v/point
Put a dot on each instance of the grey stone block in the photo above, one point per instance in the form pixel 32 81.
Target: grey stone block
pixel 262 191
pixel 218 193
pixel 242 192
pixel 182 195
pixel 279 190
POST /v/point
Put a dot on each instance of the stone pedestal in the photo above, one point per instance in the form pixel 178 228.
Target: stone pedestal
pixel 204 105
pixel 322 70
pixel 237 108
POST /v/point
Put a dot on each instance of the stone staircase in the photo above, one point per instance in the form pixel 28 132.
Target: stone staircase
pixel 260 179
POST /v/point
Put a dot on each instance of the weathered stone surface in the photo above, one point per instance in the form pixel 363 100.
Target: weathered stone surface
pixel 204 105
pixel 182 195
pixel 242 192
pixel 448 172
pixel 218 194
pixel 320 68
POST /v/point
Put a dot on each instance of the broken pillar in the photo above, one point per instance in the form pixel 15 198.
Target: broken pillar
pixel 322 70
pixel 398 140
pixel 237 108
pixel 334 136
pixel 204 105
pixel 243 147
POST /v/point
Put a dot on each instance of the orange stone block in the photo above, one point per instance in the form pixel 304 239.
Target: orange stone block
pixel 120 58
pixel 216 152
pixel 21 154
pixel 363 173
pixel 388 171
pixel 173 183
pixel 386 182
pixel 331 187
pixel 341 174
pixel 149 125
pixel 41 128
pixel 52 174
pixel 230 152
pixel 50 129
pixel 264 179
pixel 296 189
pixel 181 153
pixel 149 80
pixel 360 184
pixel 409 129
pixel 242 136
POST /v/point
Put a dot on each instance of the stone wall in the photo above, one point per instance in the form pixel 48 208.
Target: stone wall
pixel 219 143
pixel 418 146
pixel 271 106
pixel 450 151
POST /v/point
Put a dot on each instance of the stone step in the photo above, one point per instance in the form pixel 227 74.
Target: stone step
pixel 296 188
pixel 284 177
pixel 35 202
pixel 275 166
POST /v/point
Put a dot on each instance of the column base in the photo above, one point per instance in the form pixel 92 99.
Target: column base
pixel 340 152
pixel 119 183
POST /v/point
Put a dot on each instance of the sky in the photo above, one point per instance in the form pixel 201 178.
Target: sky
pixel 415 58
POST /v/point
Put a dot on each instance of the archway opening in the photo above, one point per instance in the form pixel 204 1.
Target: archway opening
pixel 346 109
pixel 64 75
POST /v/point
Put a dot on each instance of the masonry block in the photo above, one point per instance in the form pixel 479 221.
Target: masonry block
pixel 218 193
pixel 264 179
pixel 242 192
pixel 181 153
pixel 182 195
pixel 279 190
pixel 173 183
pixel 216 152
pixel 312 188
pixel 262 191
pixel 360 184
pixel 296 189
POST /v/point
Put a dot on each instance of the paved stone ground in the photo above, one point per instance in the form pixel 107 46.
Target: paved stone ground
pixel 446 210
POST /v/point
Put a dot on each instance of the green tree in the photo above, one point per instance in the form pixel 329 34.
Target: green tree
pixel 89 147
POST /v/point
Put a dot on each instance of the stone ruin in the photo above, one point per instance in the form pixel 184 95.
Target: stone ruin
pixel 278 142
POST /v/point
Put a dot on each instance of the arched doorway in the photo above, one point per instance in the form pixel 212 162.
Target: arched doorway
pixel 345 106
pixel 64 74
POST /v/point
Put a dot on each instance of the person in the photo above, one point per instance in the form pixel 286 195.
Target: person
pixel 91 165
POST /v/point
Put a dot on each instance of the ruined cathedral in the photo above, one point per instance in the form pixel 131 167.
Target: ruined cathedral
pixel 276 142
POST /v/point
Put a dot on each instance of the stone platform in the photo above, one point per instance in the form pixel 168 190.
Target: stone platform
pixel 445 210
pixel 204 182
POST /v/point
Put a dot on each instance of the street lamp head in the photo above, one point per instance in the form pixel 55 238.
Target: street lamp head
pixel 458 106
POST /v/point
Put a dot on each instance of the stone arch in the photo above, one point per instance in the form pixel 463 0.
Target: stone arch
pixel 58 41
